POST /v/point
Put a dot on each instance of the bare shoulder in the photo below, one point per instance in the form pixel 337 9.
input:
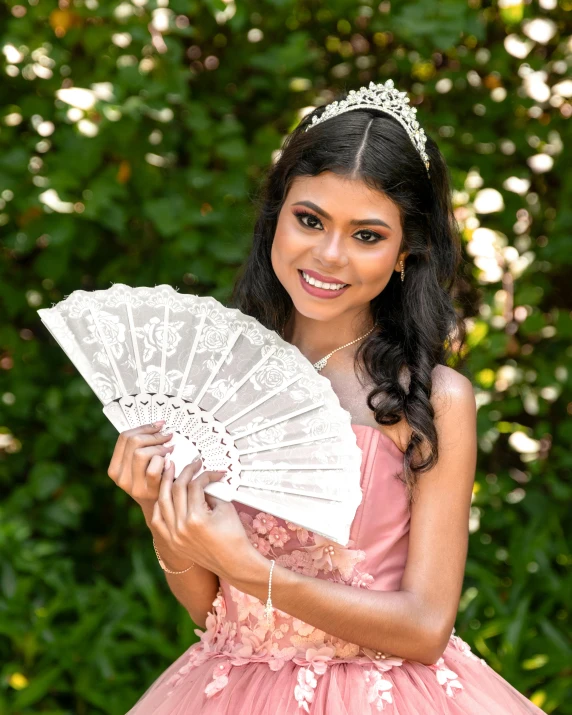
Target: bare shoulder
pixel 451 390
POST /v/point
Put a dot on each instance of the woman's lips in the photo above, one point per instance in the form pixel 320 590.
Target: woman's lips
pixel 320 292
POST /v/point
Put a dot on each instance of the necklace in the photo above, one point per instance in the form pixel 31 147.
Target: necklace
pixel 321 364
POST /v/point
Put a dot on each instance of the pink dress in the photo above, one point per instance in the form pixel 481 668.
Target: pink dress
pixel 242 666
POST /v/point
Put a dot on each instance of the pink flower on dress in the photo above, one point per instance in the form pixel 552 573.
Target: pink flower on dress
pixel 299 561
pixel 220 679
pixel 260 544
pixel 383 663
pixel 301 533
pixel 280 656
pixel 304 690
pixel 378 692
pixel 362 580
pixel 278 537
pixel 263 523
pixel 344 649
pixel 247 604
pixel 328 555
pixel 445 677
pixel 318 658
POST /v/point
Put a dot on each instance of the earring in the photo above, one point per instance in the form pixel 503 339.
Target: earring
pixel 402 272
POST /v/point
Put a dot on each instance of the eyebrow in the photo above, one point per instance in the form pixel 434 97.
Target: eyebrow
pixel 353 222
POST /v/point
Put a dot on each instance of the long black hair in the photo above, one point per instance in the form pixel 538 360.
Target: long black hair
pixel 418 326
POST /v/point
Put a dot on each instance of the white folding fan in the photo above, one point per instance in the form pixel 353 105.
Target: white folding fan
pixel 229 388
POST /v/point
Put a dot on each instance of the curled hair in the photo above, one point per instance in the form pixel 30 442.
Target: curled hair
pixel 417 325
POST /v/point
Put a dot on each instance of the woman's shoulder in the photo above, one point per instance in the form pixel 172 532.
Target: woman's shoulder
pixel 450 385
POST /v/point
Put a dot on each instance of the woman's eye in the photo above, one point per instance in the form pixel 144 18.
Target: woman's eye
pixel 303 215
pixel 374 237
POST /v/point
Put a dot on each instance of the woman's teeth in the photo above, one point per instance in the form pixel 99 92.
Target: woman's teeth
pixel 320 284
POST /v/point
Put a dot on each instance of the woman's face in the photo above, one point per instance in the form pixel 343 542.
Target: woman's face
pixel 350 234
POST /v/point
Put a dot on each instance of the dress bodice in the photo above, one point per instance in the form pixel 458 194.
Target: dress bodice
pixel 374 558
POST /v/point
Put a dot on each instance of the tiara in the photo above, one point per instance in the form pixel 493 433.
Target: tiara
pixel 388 99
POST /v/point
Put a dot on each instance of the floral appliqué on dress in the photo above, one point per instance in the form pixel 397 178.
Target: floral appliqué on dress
pixel 229 643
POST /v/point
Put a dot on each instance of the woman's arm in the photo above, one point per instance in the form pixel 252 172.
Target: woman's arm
pixel 415 622
pixel 196 589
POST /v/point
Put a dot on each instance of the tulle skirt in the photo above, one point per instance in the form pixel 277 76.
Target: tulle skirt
pixel 460 683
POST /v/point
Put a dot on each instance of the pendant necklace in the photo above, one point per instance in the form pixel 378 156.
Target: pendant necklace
pixel 322 362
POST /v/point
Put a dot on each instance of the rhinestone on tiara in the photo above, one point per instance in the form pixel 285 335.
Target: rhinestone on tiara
pixel 388 99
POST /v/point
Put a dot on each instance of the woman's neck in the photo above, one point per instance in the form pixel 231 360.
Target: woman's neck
pixel 316 338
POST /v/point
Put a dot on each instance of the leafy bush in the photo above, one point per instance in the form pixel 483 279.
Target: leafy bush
pixel 147 176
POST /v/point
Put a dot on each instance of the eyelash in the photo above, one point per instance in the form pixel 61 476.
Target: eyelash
pixel 301 214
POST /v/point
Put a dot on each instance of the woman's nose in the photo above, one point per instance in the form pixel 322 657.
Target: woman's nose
pixel 331 250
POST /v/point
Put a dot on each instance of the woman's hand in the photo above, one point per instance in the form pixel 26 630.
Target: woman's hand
pixel 138 461
pixel 197 526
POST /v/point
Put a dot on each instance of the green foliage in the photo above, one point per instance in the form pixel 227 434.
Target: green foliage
pixel 148 176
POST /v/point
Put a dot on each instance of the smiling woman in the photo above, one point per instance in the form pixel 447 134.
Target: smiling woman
pixel 355 245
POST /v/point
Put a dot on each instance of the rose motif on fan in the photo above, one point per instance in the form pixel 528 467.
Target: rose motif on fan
pixel 318 427
pixel 214 338
pixel 106 387
pixel 270 435
pixel 113 333
pixel 152 379
pixel 154 337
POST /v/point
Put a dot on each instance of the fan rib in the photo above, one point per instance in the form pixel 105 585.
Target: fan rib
pixel 135 346
pixel 164 348
pixel 278 420
pixel 109 353
pixel 240 383
pixel 233 338
pixel 288 443
pixel 191 355
pixel 263 399
pixel 286 465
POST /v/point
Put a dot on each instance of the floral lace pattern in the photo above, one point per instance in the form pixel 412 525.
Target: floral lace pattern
pixel 249 638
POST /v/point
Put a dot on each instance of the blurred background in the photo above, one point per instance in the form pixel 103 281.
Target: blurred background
pixel 133 139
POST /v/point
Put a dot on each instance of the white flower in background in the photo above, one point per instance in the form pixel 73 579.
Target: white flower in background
pixel 51 199
pixel 540 163
pixel 517 47
pixel 488 201
pixel 473 180
pixel 12 55
pixel 523 444
pixel 77 97
pixel 161 17
pixel 535 86
pixel 103 91
pixel 516 185
pixel 541 29
pixel 563 89
pixel 486 247
pixel 87 128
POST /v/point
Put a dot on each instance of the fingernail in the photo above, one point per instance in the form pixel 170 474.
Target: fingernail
pixel 196 459
pixel 158 424
pixel 167 461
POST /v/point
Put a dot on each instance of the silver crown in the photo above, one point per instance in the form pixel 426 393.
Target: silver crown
pixel 388 99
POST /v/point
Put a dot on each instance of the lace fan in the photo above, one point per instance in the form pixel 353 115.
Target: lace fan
pixel 230 389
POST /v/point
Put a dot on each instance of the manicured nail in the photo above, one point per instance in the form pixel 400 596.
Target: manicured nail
pixel 158 424
pixel 167 461
pixel 198 458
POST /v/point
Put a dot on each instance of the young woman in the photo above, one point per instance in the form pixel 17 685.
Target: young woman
pixel 355 259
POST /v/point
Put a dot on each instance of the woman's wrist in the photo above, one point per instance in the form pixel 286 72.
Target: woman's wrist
pixel 172 561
